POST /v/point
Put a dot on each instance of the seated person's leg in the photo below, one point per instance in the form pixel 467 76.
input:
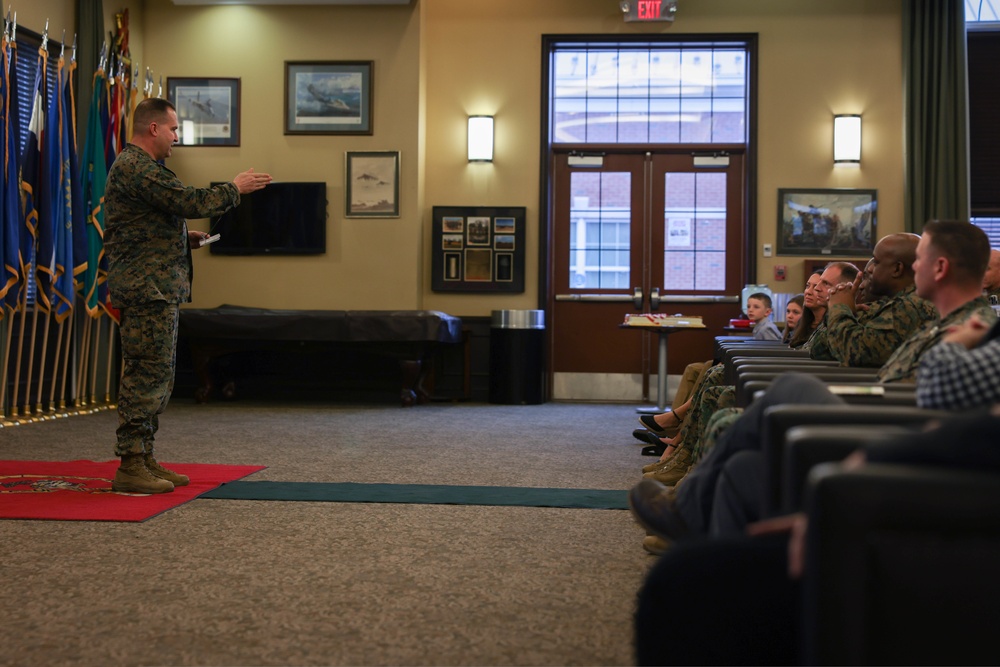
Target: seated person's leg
pixel 738 495
pixel 717 425
pixel 692 502
pixel 692 375
pixel 713 399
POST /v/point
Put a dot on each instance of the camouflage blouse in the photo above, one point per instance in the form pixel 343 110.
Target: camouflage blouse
pixel 869 339
pixel 902 365
pixel 146 238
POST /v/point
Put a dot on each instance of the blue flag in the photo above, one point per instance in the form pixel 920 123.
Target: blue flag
pixel 17 248
pixel 31 175
pixel 9 234
pixel 51 213
pixel 78 217
pixel 62 198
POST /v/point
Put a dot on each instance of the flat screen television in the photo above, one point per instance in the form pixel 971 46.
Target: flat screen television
pixel 281 219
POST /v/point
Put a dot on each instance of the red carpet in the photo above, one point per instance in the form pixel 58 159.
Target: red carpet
pixel 81 490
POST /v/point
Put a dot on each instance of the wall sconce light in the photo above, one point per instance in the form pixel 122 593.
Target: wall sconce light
pixel 480 138
pixel 847 139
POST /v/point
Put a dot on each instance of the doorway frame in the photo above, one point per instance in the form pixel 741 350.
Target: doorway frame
pixel 545 204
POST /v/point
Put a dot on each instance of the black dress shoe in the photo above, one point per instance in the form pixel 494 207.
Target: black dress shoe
pixel 650 423
pixel 648 437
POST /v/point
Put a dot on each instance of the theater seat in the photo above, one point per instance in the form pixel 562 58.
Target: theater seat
pixel 782 487
pixel 901 566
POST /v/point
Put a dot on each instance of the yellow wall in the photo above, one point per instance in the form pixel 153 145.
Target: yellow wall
pixel 816 58
pixel 437 61
pixel 370 263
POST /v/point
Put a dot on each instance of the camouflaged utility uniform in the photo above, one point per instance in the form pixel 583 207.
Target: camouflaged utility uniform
pixel 149 275
pixel 868 339
pixel 902 365
pixel 818 344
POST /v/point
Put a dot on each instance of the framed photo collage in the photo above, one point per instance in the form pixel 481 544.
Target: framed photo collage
pixel 478 249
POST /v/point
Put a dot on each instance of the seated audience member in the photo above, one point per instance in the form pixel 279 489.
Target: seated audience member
pixel 834 274
pixel 950 260
pixel 814 308
pixel 748 586
pixel 863 297
pixel 793 313
pixel 963 370
pixel 991 279
pixel 868 338
pixel 759 311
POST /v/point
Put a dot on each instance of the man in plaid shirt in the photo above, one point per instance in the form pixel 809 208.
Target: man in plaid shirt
pixel 963 370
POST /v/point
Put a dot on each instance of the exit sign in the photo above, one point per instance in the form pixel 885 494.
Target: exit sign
pixel 648 10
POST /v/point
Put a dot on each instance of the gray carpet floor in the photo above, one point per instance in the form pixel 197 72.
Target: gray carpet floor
pixel 232 582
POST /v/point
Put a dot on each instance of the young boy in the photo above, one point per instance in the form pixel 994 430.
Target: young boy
pixel 759 312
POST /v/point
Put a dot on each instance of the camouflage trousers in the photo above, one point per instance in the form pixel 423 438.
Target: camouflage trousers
pixel 709 396
pixel 149 345
pixel 717 425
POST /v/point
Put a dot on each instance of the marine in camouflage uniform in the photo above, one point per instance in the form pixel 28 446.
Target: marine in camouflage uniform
pixel 818 346
pixel 868 338
pixel 149 275
pixel 902 365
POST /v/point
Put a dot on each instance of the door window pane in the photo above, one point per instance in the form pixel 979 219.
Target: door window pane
pixel 600 230
pixel 694 214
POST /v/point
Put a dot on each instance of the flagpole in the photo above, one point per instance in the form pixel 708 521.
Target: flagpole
pixel 25 414
pixel 20 355
pixel 65 370
pixel 31 357
pixel 81 372
pixel 93 368
pixel 55 373
pixel 111 351
pixel 41 363
pixel 6 363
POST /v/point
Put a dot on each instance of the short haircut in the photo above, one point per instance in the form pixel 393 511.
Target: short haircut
pixel 150 110
pixel 760 296
pixel 848 272
pixel 963 244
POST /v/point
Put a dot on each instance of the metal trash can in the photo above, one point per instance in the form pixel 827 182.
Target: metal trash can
pixel 517 357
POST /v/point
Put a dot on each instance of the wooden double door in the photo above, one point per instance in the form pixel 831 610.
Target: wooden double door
pixel 640 231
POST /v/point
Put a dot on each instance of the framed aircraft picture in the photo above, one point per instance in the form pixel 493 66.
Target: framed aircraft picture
pixel 372 179
pixel 208 110
pixel 328 97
